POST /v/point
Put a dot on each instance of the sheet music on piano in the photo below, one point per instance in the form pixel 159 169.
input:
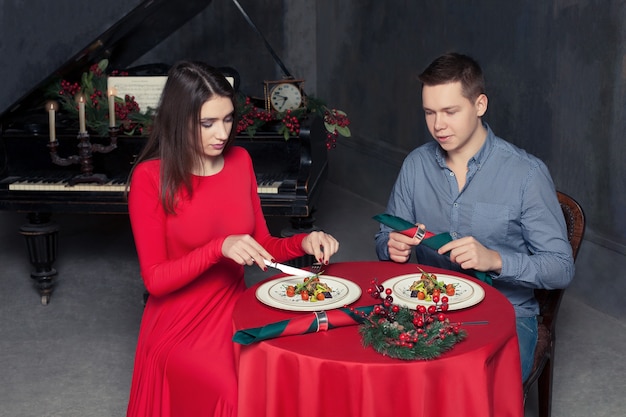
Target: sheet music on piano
pixel 290 173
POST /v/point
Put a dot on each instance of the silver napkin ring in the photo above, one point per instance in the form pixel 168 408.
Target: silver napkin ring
pixel 421 232
pixel 322 321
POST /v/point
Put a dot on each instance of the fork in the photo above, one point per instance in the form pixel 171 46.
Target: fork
pixel 316 268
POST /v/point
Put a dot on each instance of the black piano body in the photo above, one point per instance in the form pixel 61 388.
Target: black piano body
pixel 290 173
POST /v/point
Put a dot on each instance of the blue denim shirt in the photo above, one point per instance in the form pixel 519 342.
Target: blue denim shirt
pixel 508 204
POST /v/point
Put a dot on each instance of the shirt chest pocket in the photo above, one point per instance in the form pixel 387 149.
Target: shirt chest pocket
pixel 490 222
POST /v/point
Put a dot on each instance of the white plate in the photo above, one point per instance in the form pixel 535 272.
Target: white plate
pixel 273 294
pixel 467 293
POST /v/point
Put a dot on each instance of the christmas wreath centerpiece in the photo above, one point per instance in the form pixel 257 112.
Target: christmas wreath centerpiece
pixel 403 333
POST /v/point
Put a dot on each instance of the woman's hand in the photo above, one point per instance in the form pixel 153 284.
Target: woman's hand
pixel 321 245
pixel 244 250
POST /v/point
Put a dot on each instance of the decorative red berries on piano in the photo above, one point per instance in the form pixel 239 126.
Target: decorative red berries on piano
pixel 93 85
pixel 337 123
pixel 251 119
pixel 69 89
pixel 251 116
pixel 291 123
pixel 96 70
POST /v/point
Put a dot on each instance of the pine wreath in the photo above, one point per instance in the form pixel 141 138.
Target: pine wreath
pixel 402 333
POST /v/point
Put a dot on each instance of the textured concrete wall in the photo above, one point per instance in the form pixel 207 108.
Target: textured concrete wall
pixel 556 79
pixel 37 37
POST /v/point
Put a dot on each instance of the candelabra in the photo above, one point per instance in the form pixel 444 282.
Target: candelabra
pixel 86 150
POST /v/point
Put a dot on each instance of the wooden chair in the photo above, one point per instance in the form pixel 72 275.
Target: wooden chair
pixel 549 302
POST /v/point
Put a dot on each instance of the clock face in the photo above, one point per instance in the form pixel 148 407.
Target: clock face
pixel 285 96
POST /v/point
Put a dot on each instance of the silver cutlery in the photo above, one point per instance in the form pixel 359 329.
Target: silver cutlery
pixel 316 268
pixel 289 269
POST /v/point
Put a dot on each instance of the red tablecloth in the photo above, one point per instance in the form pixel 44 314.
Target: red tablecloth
pixel 332 374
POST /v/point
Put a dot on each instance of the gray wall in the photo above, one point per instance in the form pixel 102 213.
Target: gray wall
pixel 38 36
pixel 556 79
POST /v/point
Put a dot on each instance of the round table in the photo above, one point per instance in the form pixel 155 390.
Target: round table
pixel 332 374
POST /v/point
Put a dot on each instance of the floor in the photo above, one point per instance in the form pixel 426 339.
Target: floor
pixel 74 356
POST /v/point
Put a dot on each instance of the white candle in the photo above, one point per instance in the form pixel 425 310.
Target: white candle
pixel 52 121
pixel 111 108
pixel 81 114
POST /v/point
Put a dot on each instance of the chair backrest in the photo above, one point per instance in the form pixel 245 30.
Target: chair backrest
pixel 574 220
pixel 550 300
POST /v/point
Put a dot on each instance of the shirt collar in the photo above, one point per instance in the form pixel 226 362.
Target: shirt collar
pixel 485 150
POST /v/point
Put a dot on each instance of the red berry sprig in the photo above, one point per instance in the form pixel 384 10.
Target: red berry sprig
pixel 400 332
pixel 252 116
pixel 95 70
pixel 291 123
pixel 335 117
pixel 69 89
pixel 336 121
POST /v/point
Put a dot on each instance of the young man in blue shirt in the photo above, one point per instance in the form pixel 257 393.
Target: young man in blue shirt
pixel 497 202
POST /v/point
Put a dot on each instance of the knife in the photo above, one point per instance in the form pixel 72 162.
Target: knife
pixel 289 269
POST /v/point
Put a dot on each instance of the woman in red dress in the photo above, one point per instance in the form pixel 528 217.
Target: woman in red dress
pixel 196 219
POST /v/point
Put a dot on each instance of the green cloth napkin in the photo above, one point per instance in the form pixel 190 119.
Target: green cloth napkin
pixel 395 222
pixel 309 323
pixel 433 242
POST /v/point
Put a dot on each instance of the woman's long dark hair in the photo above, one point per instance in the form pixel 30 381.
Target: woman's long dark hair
pixel 175 135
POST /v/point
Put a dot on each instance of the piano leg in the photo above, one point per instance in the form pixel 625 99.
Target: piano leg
pixel 41 240
pixel 303 224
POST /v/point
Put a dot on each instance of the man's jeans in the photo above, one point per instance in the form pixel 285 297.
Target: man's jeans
pixel 527 337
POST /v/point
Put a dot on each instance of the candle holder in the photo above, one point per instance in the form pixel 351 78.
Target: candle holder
pixel 85 157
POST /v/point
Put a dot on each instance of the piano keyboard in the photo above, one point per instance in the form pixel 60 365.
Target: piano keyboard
pixel 268 183
pixel 111 186
pixel 269 187
pixel 263 187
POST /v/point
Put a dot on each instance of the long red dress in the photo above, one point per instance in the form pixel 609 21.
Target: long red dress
pixel 184 363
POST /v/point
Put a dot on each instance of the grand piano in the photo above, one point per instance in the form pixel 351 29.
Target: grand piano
pixel 290 173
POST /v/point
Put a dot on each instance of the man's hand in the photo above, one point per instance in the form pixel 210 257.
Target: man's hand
pixel 401 246
pixel 471 254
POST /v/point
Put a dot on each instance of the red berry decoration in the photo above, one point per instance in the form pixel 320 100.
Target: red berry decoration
pixel 403 333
